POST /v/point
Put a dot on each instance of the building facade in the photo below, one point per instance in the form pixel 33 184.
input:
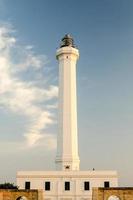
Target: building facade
pixel 67 185
pixel 67 182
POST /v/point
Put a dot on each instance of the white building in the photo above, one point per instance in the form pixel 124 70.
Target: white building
pixel 67 182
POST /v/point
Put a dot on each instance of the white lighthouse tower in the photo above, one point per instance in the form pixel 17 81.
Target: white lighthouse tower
pixel 67 143
pixel 67 182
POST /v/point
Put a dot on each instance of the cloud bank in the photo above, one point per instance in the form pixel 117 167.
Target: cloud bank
pixel 24 96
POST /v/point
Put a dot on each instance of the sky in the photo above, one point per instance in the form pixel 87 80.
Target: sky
pixel 30 33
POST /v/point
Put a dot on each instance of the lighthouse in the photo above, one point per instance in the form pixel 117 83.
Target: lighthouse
pixel 67 182
pixel 67 140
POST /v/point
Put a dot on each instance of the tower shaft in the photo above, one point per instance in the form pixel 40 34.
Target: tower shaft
pixel 67 143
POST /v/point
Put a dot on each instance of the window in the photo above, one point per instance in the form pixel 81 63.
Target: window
pixel 86 185
pixel 67 167
pixel 47 185
pixel 27 185
pixel 106 184
pixel 67 185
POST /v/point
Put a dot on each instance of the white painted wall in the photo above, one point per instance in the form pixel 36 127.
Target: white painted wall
pixel 58 178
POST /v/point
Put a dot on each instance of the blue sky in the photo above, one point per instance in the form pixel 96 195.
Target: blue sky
pixel 30 33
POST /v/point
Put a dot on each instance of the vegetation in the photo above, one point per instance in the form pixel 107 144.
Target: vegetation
pixel 8 186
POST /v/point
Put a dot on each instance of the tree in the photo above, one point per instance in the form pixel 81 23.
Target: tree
pixel 8 186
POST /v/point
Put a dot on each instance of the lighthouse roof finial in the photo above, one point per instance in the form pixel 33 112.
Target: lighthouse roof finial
pixel 67 40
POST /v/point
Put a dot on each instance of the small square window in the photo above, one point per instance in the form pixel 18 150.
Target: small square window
pixel 106 184
pixel 27 185
pixel 47 185
pixel 86 185
pixel 67 167
pixel 67 185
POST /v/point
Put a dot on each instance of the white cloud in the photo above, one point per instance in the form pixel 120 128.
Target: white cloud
pixel 24 97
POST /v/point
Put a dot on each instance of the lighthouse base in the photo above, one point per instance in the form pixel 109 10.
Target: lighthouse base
pixel 66 185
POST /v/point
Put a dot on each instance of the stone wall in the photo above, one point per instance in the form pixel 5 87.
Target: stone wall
pixel 125 193
pixel 13 194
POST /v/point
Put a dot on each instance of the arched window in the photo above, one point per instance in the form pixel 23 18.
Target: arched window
pixel 113 197
pixel 22 198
